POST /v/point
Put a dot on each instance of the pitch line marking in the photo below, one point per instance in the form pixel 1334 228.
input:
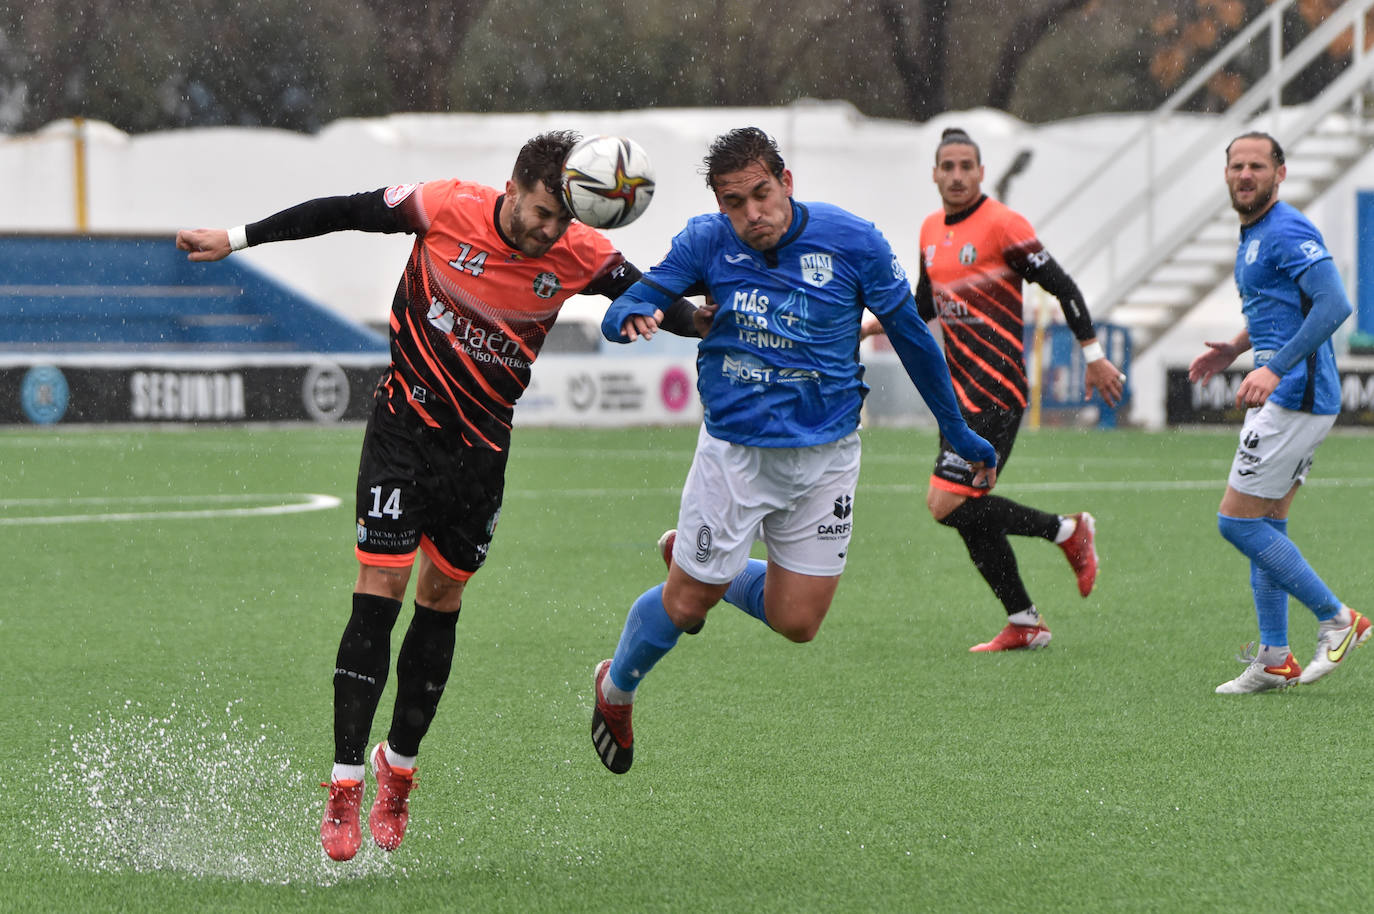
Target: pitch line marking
pixel 1122 485
pixel 302 502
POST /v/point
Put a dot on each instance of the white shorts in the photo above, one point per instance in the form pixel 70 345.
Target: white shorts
pixel 798 500
pixel 1276 449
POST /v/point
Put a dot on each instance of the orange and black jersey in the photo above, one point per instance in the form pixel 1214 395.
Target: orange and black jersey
pixel 972 266
pixel 471 312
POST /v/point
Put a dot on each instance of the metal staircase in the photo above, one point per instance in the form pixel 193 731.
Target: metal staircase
pixel 1157 252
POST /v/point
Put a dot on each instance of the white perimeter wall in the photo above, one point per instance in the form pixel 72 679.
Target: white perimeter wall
pixel 157 183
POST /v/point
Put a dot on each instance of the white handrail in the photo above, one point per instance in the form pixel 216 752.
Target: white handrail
pixel 1272 17
pixel 1123 223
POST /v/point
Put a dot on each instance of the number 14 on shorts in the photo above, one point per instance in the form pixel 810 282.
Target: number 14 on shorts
pixel 392 507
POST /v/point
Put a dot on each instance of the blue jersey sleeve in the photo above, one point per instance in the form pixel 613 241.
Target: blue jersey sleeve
pixel 886 287
pixel 1321 284
pixel 925 363
pixel 657 289
pixel 641 298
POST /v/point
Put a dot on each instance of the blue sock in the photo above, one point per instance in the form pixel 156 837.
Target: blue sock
pixel 1271 607
pixel 1271 600
pixel 746 590
pixel 647 636
pixel 1266 545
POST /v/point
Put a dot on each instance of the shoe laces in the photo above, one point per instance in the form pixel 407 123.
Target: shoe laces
pixel 396 787
pixel 342 796
pixel 1247 654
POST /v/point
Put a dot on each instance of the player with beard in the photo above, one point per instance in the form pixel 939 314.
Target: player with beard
pixel 486 278
pixel 1293 300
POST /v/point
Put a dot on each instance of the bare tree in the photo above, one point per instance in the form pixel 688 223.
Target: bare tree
pixel 918 53
pixel 420 42
pixel 1025 34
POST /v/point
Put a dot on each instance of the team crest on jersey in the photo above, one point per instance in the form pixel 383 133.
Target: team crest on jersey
pixel 968 254
pixel 546 285
pixel 817 269
pixel 1252 251
pixel 397 192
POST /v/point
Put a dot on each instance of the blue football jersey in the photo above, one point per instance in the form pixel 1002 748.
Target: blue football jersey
pixel 1273 253
pixel 780 366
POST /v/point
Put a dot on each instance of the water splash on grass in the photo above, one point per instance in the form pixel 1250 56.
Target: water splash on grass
pixel 187 791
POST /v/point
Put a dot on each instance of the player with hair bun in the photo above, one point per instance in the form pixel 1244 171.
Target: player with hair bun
pixel 975 255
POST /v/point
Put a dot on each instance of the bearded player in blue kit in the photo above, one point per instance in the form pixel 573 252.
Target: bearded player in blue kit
pixel 781 385
pixel 1293 300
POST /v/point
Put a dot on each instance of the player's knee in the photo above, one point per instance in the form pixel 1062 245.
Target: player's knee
pixel 686 621
pixel 958 514
pixel 439 591
pixel 382 581
pixel 1238 531
pixel 685 614
pixel 798 632
pixel 797 622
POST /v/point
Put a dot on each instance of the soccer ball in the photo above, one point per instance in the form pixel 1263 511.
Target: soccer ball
pixel 608 181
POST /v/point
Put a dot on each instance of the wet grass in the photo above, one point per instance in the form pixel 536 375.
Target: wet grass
pixel 165 695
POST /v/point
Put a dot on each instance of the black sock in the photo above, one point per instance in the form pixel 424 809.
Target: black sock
pixel 422 670
pixel 1017 519
pixel 991 552
pixel 360 674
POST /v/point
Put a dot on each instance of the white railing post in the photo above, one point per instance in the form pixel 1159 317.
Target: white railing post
pixel 1275 64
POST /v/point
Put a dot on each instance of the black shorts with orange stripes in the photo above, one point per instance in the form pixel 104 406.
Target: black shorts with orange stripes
pixel 423 488
pixel 953 473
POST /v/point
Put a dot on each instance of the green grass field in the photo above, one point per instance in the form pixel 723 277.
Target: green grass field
pixel 166 682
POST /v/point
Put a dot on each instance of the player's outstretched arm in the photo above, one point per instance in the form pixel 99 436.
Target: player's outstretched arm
pixel 1100 375
pixel 204 244
pixel 1217 357
pixel 925 365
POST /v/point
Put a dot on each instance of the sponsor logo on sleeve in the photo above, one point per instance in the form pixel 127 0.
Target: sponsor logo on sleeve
pixel 1311 250
pixel 394 194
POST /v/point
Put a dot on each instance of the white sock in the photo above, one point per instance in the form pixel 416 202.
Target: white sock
pixel 346 772
pixel 396 760
pixel 1025 617
pixel 1340 620
pixel 614 694
pixel 1067 525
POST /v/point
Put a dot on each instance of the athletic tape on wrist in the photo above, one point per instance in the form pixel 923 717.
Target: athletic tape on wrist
pixel 238 238
pixel 1093 351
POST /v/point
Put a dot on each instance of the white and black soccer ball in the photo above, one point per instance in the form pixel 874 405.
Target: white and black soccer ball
pixel 608 181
